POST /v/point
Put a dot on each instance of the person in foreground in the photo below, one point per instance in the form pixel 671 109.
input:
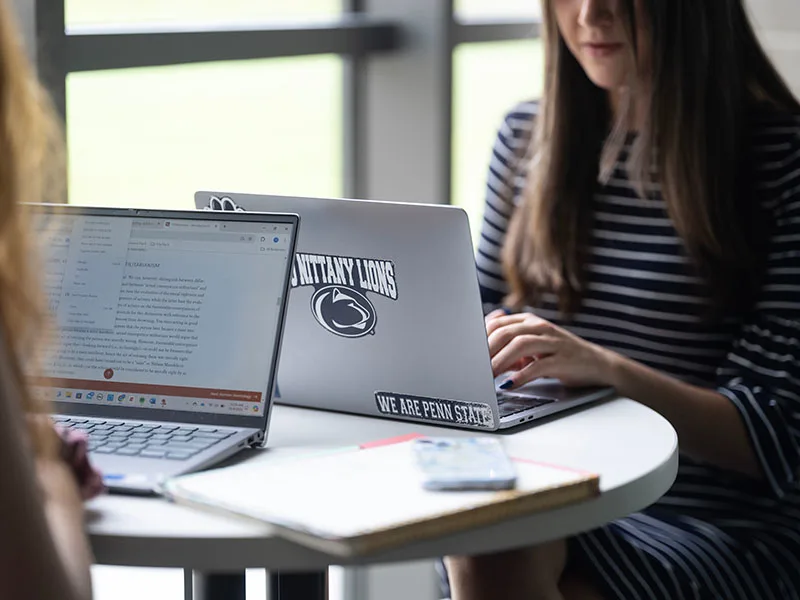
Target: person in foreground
pixel 44 476
pixel 642 225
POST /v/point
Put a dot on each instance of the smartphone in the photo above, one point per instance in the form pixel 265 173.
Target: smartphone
pixel 468 463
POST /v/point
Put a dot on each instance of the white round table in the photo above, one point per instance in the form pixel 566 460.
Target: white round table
pixel 632 448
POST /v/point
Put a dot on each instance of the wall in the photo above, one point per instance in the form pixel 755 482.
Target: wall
pixel 778 23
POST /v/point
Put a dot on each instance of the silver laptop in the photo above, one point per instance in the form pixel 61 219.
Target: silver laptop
pixel 168 330
pixel 385 317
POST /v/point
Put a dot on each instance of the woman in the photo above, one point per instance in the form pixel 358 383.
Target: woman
pixel 643 227
pixel 44 553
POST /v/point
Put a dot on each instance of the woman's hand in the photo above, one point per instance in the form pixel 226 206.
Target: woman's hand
pixel 531 347
pixel 72 448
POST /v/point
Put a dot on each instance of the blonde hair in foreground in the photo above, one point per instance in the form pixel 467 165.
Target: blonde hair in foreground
pixel 30 171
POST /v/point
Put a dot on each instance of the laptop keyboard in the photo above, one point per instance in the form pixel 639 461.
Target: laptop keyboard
pixel 148 440
pixel 510 404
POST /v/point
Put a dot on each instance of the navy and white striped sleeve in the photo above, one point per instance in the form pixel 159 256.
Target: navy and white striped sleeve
pixel 510 145
pixel 761 374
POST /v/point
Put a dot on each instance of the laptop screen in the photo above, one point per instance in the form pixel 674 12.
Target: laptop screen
pixel 163 314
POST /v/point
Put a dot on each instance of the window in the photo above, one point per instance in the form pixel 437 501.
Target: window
pixel 151 137
pixel 471 9
pixel 488 79
pixel 82 12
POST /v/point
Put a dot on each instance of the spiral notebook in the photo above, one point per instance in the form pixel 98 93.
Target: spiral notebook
pixel 362 500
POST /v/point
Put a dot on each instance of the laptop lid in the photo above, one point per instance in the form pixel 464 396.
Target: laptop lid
pixel 164 315
pixel 384 309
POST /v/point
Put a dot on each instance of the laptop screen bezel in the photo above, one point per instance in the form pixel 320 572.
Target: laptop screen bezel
pixel 208 419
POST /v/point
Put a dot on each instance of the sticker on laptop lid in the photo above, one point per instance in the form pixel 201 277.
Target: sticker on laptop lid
pixel 340 303
pixel 436 410
pixel 224 203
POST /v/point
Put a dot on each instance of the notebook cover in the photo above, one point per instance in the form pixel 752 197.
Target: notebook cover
pixel 363 500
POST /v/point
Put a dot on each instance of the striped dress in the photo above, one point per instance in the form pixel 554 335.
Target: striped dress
pixel 714 534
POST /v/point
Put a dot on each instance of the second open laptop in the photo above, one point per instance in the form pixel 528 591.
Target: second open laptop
pixel 385 317
pixel 168 330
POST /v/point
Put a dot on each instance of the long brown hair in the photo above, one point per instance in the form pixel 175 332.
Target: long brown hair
pixel 708 75
pixel 31 159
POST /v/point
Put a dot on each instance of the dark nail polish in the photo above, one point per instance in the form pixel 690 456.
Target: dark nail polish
pixel 506 310
pixel 507 385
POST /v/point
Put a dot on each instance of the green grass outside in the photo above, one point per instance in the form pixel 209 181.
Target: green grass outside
pixel 151 137
pixel 141 11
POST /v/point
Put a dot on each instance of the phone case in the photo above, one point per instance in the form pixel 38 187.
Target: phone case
pixel 471 463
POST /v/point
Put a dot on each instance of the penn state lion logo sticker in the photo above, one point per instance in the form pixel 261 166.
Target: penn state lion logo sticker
pixel 343 311
pixel 339 303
